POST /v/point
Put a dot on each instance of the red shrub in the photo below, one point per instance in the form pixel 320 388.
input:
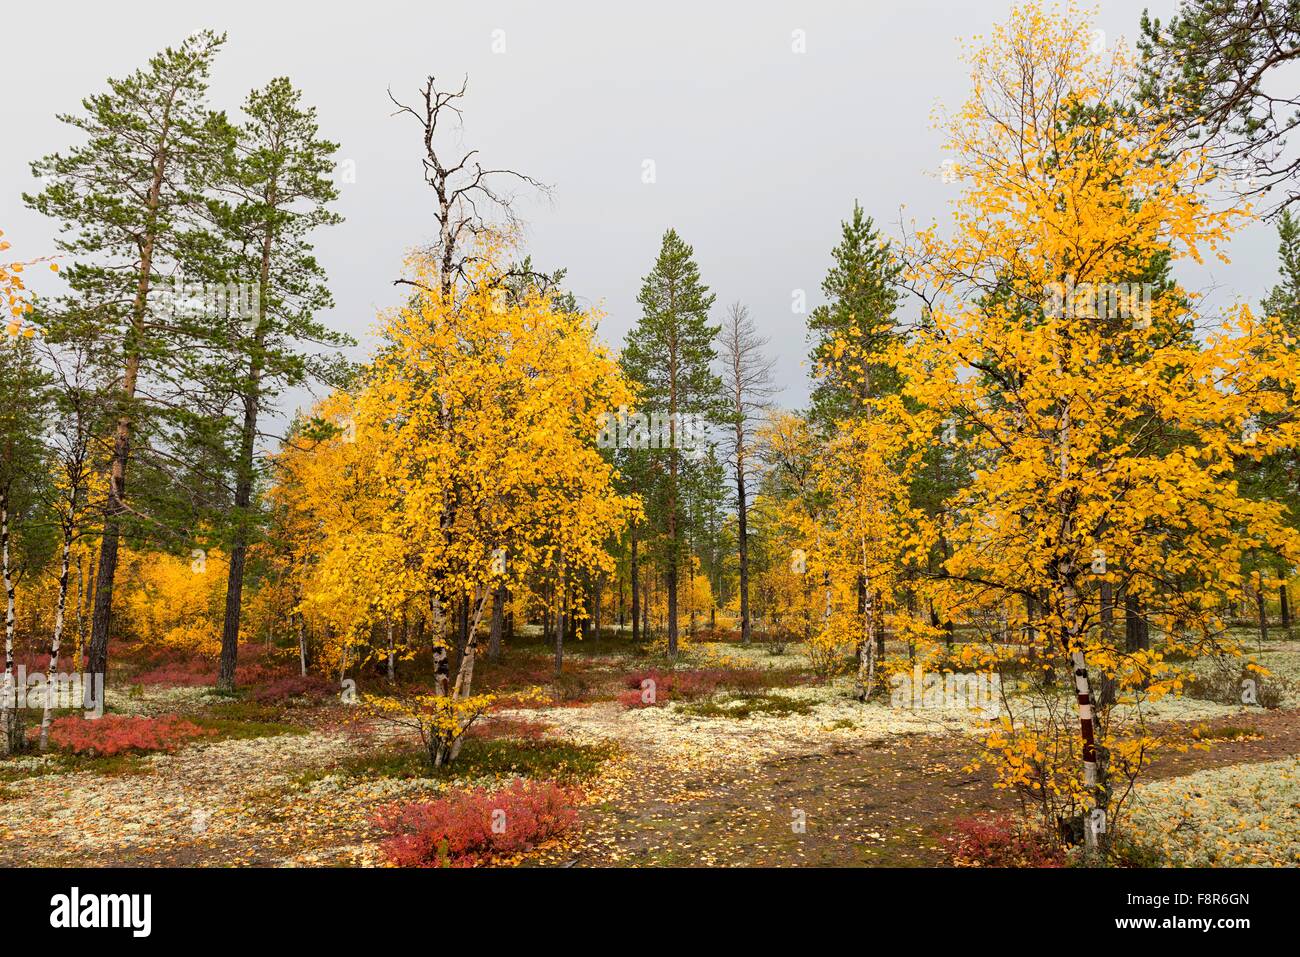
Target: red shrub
pixel 170 667
pixel 663 680
pixel 113 734
pixel 637 699
pixel 472 827
pixel 39 663
pixel 188 674
pixel 284 690
pixel 1000 842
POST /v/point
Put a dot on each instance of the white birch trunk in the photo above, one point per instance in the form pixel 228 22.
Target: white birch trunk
pixel 10 716
pixel 53 667
pixel 866 642
pixel 465 677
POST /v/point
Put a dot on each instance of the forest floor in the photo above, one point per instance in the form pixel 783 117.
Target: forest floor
pixel 796 773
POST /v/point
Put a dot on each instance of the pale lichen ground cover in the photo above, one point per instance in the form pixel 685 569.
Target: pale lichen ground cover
pixel 211 799
pixel 834 715
pixel 154 700
pixel 1280 659
pixel 197 796
pixel 1242 815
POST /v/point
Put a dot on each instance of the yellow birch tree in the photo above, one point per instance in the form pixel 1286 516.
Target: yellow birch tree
pixel 1102 411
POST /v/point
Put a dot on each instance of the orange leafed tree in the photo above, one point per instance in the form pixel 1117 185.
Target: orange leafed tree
pixel 467 460
pixel 1102 411
pixel 485 405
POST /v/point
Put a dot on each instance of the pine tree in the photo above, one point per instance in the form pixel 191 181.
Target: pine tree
pixel 1218 72
pixel 862 295
pixel 276 188
pixel 670 354
pixel 1278 476
pixel 1284 300
pixel 128 200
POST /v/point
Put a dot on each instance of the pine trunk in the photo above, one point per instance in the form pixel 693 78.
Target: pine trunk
pixel 742 519
pixel 498 621
pixel 243 497
pixel 559 625
pixel 1284 603
pixel 115 506
pixel 636 591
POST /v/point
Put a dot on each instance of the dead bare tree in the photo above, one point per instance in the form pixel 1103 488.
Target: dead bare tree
pixel 747 382
pixel 470 203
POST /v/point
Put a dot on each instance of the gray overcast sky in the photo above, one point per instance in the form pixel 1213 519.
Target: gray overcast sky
pixel 759 151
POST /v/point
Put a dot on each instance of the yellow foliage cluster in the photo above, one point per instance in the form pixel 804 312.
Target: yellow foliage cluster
pixel 172 600
pixel 13 294
pixel 464 461
pixel 1103 431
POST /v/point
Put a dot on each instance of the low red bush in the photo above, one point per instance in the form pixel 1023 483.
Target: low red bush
pixel 285 690
pixel 41 663
pixel 174 668
pixel 472 827
pixel 186 674
pixel 114 734
pixel 663 680
pixel 637 699
pixel 1000 842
